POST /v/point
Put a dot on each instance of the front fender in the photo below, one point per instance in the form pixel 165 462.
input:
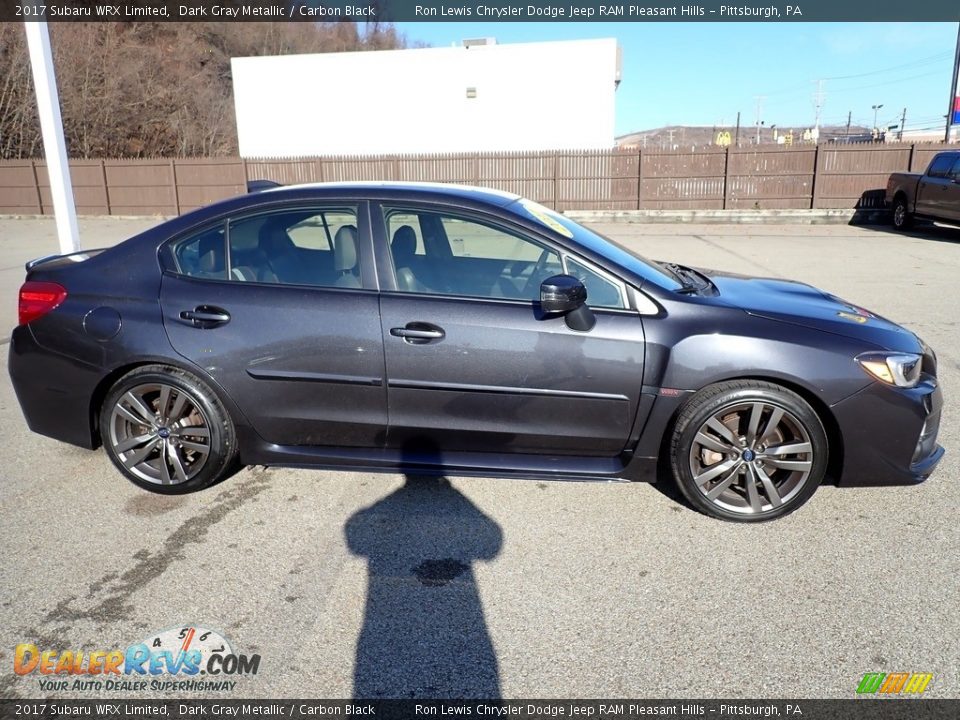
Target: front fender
pixel 688 351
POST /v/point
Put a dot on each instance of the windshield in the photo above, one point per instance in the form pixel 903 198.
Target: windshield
pixel 600 244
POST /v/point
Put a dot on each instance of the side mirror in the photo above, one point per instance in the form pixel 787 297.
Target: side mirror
pixel 566 295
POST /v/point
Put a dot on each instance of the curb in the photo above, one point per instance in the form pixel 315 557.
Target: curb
pixel 35 216
pixel 874 216
pixel 707 217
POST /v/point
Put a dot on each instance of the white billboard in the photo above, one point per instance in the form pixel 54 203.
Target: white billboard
pixel 529 96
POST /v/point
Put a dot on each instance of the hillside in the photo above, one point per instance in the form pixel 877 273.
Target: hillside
pixel 152 89
pixel 686 136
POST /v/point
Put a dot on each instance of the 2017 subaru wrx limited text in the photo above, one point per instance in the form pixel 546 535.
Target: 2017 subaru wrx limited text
pixel 436 328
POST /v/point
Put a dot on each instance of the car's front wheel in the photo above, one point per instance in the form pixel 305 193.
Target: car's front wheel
pixel 748 451
pixel 166 430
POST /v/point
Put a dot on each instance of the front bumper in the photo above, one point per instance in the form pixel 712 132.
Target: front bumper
pixel 890 434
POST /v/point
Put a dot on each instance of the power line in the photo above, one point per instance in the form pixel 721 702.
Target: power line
pixel 890 82
pixel 931 60
pixel 918 61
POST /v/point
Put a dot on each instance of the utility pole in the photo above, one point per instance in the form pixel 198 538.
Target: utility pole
pixel 953 111
pixel 760 99
pixel 876 130
pixel 818 105
pixel 849 115
pixel 736 141
pixel 903 122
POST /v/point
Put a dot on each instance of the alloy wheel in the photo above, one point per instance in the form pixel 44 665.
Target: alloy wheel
pixel 899 214
pixel 751 457
pixel 159 433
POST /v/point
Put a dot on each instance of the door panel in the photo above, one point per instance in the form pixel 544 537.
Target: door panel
pixel 502 380
pixel 934 186
pixel 931 196
pixel 272 304
pixel 951 198
pixel 300 374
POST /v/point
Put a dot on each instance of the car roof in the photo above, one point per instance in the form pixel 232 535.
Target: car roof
pixel 377 191
pixel 387 188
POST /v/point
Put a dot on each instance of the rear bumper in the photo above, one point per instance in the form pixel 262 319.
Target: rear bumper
pixel 54 391
pixel 890 434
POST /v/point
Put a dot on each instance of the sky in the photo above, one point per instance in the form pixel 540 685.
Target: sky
pixel 704 73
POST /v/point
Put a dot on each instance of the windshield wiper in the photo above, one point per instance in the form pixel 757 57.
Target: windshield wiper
pixel 689 279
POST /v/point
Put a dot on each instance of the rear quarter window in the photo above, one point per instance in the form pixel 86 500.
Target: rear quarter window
pixel 203 255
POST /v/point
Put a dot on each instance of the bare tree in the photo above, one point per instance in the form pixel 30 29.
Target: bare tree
pixel 153 89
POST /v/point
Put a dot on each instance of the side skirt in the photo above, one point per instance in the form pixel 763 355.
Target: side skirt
pixel 545 467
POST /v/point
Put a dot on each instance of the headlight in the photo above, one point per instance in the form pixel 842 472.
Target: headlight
pixel 900 369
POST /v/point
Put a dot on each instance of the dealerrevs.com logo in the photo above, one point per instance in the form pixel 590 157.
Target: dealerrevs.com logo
pixel 180 659
pixel 898 683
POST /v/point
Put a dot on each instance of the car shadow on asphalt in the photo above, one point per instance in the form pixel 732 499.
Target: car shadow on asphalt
pixel 921 230
pixel 667 486
pixel 424 632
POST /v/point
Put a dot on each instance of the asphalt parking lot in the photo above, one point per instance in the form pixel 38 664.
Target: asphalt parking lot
pixel 513 588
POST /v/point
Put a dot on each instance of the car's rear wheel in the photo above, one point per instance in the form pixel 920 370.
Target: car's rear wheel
pixel 902 217
pixel 166 430
pixel 748 451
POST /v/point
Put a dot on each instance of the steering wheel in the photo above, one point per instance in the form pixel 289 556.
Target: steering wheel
pixel 534 280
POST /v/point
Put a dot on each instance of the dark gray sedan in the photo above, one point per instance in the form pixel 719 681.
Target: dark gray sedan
pixel 428 328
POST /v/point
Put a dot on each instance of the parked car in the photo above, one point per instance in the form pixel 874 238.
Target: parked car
pixel 436 328
pixel 933 195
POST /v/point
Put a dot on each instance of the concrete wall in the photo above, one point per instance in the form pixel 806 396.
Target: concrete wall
pixel 528 96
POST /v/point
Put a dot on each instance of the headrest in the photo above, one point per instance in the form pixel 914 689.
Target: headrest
pixel 273 237
pixel 404 245
pixel 345 249
pixel 211 253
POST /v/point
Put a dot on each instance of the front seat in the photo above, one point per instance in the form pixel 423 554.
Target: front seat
pixel 404 250
pixel 345 258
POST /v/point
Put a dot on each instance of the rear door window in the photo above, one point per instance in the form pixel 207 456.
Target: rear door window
pixel 296 247
pixel 941 165
pixel 954 173
pixel 316 246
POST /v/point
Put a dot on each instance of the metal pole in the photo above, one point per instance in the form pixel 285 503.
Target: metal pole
pixel 51 126
pixel 953 89
pixel 818 103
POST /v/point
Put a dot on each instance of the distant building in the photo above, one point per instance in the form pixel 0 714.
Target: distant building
pixel 480 96
pixel 916 136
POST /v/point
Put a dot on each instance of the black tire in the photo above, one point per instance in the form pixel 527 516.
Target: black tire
pixel 901 216
pixel 747 465
pixel 186 446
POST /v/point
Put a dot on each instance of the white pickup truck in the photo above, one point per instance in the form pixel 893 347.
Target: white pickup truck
pixel 934 195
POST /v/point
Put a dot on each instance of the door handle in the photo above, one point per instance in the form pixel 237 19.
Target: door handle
pixel 418 333
pixel 205 316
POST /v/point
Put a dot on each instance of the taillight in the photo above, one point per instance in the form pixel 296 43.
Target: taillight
pixel 39 298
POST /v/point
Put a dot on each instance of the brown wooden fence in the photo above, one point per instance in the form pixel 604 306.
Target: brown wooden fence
pixel 808 176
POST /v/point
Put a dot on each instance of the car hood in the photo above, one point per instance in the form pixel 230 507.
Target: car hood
pixel 802 304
